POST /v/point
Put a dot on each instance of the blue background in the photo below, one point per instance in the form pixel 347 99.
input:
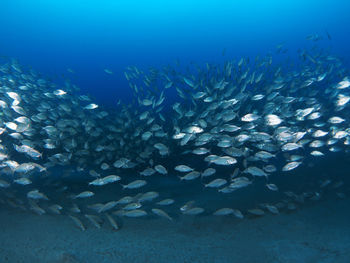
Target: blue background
pixel 89 36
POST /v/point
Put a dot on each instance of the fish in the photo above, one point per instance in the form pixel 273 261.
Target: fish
pixel 161 213
pixel 125 200
pixel 112 222
pixel 107 206
pixel 183 168
pixel 273 209
pixel 167 201
pixel 237 213
pixel 22 181
pixel 194 211
pixel 161 169
pixel 36 208
pixel 256 211
pixel 78 222
pixel 223 212
pixel 255 171
pixel 272 187
pixel 5 184
pixel 216 183
pixel 208 172
pixel 132 206
pixel 35 194
pixel 55 209
pixel 135 213
pixel 91 106
pixel 224 160
pixel 85 194
pixel 95 220
pixel 290 166
pixel 135 184
pixel 148 196
pixel 105 180
pixel 108 71
pixel 250 117
pixel 190 176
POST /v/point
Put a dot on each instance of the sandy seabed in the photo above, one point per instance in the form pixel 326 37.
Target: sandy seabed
pixel 318 233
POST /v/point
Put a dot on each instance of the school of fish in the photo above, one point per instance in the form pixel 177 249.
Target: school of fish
pixel 212 130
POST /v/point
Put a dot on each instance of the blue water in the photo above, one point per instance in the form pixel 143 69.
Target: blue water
pixel 89 36
pixel 77 40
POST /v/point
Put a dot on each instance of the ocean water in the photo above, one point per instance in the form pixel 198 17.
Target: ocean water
pixel 90 89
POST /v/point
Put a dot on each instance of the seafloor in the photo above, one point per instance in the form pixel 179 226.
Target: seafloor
pixel 315 233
